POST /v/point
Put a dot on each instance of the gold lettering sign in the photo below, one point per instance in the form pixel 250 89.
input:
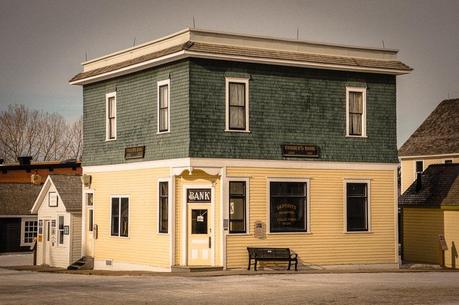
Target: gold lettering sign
pixel 199 195
pixel 300 150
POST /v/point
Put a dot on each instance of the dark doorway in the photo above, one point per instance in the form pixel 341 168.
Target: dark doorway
pixel 10 234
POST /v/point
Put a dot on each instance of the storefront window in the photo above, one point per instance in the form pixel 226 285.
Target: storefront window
pixel 120 216
pixel 163 207
pixel 288 206
pixel 357 206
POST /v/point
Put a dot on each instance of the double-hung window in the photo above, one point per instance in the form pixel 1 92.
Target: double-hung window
pixel 356 112
pixel 419 166
pixel 61 230
pixel 357 207
pixel 288 206
pixel 163 106
pixel 30 231
pixel 120 216
pixel 111 116
pixel 237 207
pixel 237 104
pixel 163 206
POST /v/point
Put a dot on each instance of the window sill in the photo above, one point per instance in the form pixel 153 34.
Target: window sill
pixel 289 233
pixel 110 140
pixel 240 131
pixel 162 234
pixel 163 132
pixel 358 232
pixel 239 234
pixel 356 137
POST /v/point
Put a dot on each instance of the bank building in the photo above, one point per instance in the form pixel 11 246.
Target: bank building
pixel 201 144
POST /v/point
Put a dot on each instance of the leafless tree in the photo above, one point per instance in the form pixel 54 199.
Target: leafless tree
pixel 44 136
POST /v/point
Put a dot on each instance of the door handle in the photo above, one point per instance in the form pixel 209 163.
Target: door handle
pixel 210 242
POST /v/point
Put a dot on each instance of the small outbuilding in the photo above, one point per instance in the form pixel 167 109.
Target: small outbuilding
pixel 430 216
pixel 59 221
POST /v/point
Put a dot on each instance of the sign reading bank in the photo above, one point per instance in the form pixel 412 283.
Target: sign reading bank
pixel 199 195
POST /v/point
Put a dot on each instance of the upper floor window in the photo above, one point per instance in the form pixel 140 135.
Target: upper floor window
pixel 163 106
pixel 237 104
pixel 419 166
pixel 111 116
pixel 356 112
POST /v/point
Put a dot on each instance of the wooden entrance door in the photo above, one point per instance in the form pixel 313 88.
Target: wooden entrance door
pixel 200 244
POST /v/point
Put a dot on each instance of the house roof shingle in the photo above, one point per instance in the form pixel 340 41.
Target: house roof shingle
pixel 256 53
pixel 440 187
pixel 17 199
pixel 438 134
pixel 69 189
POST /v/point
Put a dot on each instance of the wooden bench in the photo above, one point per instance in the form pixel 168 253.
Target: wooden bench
pixel 272 254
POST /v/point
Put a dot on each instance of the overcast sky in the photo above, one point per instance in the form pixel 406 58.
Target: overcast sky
pixel 42 43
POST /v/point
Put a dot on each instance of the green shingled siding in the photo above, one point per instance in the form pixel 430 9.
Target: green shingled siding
pixel 287 105
pixel 290 105
pixel 136 116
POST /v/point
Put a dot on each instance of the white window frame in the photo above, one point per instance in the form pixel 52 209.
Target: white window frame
pixel 364 114
pixel 58 244
pixel 169 194
pixel 415 168
pixel 23 221
pixel 107 121
pixel 247 202
pixel 119 218
pixel 369 226
pixel 49 200
pixel 308 204
pixel 245 81
pixel 158 85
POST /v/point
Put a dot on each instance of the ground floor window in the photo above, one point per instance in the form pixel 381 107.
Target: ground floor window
pixel 288 206
pixel 120 216
pixel 237 207
pixel 357 206
pixel 163 206
pixel 30 231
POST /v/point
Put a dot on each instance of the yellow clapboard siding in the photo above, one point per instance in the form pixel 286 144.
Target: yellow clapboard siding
pixel 451 222
pixel 327 243
pixel 408 168
pixel 144 245
pixel 421 228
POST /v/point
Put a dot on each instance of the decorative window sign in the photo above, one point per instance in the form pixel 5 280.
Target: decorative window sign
pixel 66 230
pixel 300 150
pixel 137 152
pixel 199 195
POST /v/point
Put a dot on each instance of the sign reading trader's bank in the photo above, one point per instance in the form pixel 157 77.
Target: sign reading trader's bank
pixel 199 195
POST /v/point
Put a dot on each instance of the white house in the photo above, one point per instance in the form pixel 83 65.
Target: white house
pixel 58 206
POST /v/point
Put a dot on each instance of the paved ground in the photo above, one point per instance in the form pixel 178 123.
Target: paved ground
pixel 16 259
pixel 25 287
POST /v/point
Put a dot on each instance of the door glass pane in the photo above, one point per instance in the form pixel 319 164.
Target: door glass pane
pixel 124 217
pixel 115 216
pixel 198 221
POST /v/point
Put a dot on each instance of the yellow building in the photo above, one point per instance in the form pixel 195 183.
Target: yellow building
pixel 430 209
pixel 436 141
pixel 201 144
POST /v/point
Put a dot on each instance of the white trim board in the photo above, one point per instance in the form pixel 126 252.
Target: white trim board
pixel 186 54
pixel 429 156
pixel 217 162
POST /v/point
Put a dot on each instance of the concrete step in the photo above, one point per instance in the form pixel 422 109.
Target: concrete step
pixel 196 268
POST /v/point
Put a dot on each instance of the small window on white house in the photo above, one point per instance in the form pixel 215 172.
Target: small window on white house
pixel 111 116
pixel 419 166
pixel 237 104
pixel 61 230
pixel 163 106
pixel 30 231
pixel 52 199
pixel 356 112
